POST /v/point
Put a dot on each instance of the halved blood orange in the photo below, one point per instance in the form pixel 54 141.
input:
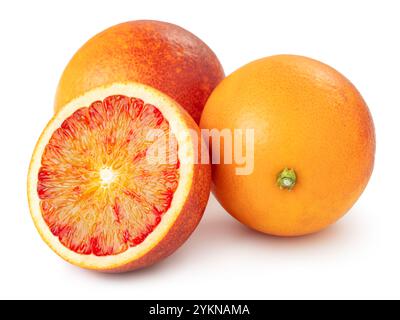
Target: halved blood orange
pixel 114 182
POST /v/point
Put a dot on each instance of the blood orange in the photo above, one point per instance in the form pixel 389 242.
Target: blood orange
pixel 114 182
pixel 159 54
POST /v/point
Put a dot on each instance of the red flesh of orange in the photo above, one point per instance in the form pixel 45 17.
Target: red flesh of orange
pixel 106 215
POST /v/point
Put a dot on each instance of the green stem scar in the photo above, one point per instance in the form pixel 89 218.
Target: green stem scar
pixel 287 179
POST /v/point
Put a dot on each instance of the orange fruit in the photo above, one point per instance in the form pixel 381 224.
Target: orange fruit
pixel 159 54
pixel 114 183
pixel 314 144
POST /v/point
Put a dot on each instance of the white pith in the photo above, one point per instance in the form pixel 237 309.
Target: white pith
pixel 186 151
pixel 107 176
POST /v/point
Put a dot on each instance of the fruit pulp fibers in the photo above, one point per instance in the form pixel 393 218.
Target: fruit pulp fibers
pixel 98 191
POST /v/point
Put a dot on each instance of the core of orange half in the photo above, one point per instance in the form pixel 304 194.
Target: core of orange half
pixel 115 182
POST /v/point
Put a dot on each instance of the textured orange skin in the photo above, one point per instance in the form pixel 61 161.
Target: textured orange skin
pixel 306 116
pixel 161 55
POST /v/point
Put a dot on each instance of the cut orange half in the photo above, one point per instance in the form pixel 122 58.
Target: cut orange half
pixel 115 182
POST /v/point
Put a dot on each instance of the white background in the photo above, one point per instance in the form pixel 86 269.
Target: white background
pixel 359 257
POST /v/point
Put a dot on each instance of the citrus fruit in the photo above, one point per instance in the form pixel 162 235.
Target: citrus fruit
pixel 159 54
pixel 314 144
pixel 114 183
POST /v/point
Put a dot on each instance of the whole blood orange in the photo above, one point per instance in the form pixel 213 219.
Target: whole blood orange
pixel 159 54
pixel 114 182
pixel 314 144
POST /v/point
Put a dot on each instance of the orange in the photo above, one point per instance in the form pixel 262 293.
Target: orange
pixel 159 54
pixel 314 144
pixel 114 183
